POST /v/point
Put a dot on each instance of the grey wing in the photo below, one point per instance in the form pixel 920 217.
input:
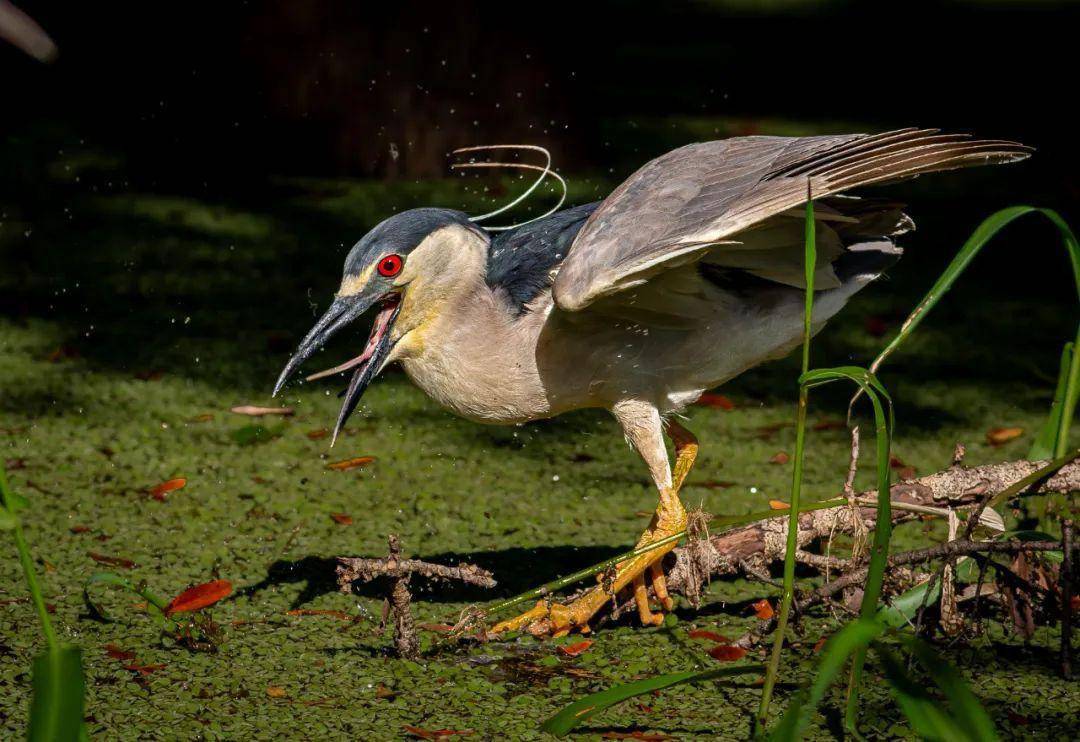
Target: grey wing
pixel 694 201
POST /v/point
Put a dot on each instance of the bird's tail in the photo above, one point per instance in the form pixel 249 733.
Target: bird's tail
pixel 898 155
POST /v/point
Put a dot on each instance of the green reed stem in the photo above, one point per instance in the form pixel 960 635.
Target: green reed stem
pixel 1072 387
pixel 27 562
pixel 810 267
pixel 721 520
pixel 550 587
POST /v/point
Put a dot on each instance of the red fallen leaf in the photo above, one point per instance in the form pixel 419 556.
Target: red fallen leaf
pixel 763 609
pixel 573 650
pixel 253 411
pixel 902 469
pixel 830 425
pixel 645 736
pixel 64 352
pixel 158 491
pixel 765 432
pixel 350 463
pixel 441 628
pixel 143 670
pixel 79 529
pixel 876 326
pixel 329 701
pixel 203 418
pixel 727 652
pixel 438 735
pixel 318 435
pixel 111 560
pixel 198 597
pixel 1018 719
pixel 778 505
pixel 716 401
pixel 316 612
pixel 343 519
pixel 1074 604
pixel 117 653
pixel 1001 436
pixel 275 691
pixel 710 635
pixel 781 457
pixel 820 643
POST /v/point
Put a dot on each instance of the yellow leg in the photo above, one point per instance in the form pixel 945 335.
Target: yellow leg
pixel 670 518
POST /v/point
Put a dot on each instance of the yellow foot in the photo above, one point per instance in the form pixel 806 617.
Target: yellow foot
pixel 555 619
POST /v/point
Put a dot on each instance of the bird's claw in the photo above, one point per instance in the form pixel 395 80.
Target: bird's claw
pixel 545 619
pixel 552 619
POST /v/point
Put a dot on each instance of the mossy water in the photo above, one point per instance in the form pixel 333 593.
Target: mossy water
pixel 131 328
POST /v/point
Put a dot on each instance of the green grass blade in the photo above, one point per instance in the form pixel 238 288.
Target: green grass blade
pixel 1057 557
pixel 900 611
pixel 563 722
pixel 108 578
pixel 854 637
pixel 788 591
pixel 884 422
pixel 1031 480
pixel 56 709
pixel 11 503
pixel 924 712
pixel 971 715
pixel 978 239
pixel 1072 392
pixel 1043 447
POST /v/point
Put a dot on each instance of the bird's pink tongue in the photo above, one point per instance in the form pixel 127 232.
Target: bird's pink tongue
pixel 382 324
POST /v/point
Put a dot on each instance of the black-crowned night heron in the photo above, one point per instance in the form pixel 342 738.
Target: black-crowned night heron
pixel 688 274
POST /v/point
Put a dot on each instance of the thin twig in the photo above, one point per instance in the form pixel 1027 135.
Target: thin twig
pixel 853 463
pixel 406 641
pixel 1066 581
pixel 351 569
pixel 762 541
pixel 399 599
pixel 757 574
pixel 941 551
pixel 856 577
pixel 820 561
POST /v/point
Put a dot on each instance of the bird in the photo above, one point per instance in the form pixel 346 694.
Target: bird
pixel 686 275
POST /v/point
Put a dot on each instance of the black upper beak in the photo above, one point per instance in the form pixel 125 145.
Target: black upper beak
pixel 342 311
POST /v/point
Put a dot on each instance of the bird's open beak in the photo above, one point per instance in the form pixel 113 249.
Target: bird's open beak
pixel 342 311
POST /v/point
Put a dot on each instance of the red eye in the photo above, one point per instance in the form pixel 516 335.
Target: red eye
pixel 390 266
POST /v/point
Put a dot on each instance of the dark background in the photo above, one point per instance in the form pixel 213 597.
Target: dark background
pixel 232 91
pixel 222 102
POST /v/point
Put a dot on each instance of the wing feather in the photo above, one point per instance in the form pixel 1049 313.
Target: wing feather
pixel 681 206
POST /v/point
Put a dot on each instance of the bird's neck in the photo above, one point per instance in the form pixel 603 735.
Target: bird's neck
pixel 451 291
pixel 469 350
